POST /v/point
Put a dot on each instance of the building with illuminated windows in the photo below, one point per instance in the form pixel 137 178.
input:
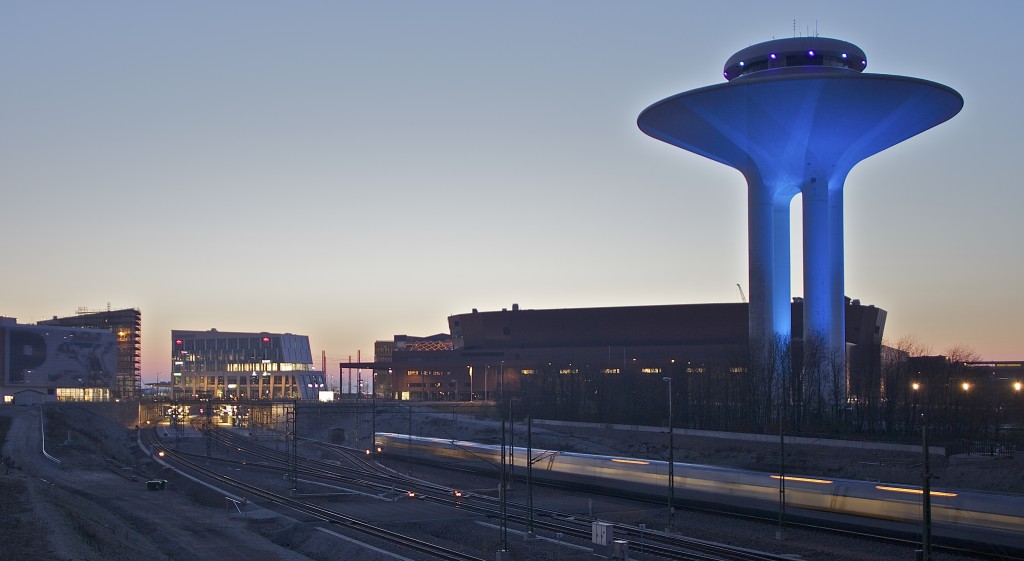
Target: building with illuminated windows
pixel 547 353
pixel 47 363
pixel 243 366
pixel 126 324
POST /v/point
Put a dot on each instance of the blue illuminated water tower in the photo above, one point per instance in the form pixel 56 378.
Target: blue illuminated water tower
pixel 794 116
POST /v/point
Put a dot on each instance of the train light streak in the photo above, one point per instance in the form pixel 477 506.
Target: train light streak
pixel 624 461
pixel 913 491
pixel 804 479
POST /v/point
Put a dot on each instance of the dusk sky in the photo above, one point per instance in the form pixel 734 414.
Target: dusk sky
pixel 355 170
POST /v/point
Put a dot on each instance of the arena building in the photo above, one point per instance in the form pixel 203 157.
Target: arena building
pixel 243 366
pixel 485 351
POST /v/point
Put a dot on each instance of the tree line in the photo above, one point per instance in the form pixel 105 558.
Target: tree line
pixel 800 387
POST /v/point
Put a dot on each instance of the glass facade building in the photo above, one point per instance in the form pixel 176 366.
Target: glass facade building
pixel 243 366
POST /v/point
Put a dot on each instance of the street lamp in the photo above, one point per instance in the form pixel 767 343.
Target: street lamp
pixel 373 410
pixel 915 386
pixel 671 459
pixel 926 487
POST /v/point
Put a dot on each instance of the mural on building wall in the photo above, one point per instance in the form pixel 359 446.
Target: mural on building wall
pixel 64 358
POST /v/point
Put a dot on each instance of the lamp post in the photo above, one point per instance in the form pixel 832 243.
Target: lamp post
pixel 914 386
pixel 503 484
pixel 373 411
pixel 1018 389
pixel 966 387
pixel 671 459
pixel 780 533
pixel 926 488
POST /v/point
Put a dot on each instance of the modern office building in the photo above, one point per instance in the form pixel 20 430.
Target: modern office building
pixel 243 366
pixel 795 116
pixel 126 324
pixel 46 363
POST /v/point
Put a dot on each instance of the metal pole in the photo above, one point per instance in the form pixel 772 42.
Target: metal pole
pixel 780 534
pixel 671 460
pixel 294 467
pixel 501 489
pixel 926 497
pixel 529 474
pixel 511 445
pixel 373 414
pixel 207 426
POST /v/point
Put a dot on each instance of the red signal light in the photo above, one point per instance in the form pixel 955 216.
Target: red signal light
pixel 266 339
pixel 177 342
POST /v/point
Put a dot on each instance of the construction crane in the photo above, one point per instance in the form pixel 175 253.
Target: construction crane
pixel 743 297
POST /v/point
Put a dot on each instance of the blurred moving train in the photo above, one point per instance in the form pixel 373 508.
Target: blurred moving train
pixel 649 478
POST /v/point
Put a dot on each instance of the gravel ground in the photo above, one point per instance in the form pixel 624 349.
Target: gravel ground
pixel 89 508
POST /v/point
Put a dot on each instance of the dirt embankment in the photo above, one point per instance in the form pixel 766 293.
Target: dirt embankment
pixel 95 505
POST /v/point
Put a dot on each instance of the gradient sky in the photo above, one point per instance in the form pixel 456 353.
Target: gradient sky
pixel 355 170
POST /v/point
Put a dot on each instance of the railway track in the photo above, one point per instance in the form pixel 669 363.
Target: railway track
pixel 420 546
pixel 353 468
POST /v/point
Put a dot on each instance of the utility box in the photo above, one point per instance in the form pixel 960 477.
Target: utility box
pixel 156 484
pixel 602 533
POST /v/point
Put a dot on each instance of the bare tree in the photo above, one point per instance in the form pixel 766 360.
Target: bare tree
pixel 809 383
pixel 835 387
pixel 960 417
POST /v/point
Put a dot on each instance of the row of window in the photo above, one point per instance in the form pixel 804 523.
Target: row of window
pixel 530 371
pixel 236 380
pixel 230 356
pixel 225 343
pixel 241 366
pixel 83 394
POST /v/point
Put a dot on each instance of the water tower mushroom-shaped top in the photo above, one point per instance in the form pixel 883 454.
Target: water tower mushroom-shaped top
pixel 795 116
pixel 802 52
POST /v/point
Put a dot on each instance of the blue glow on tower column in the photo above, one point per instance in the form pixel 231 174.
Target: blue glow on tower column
pixel 795 116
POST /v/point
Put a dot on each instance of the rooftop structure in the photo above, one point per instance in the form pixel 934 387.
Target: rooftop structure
pixel 795 116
